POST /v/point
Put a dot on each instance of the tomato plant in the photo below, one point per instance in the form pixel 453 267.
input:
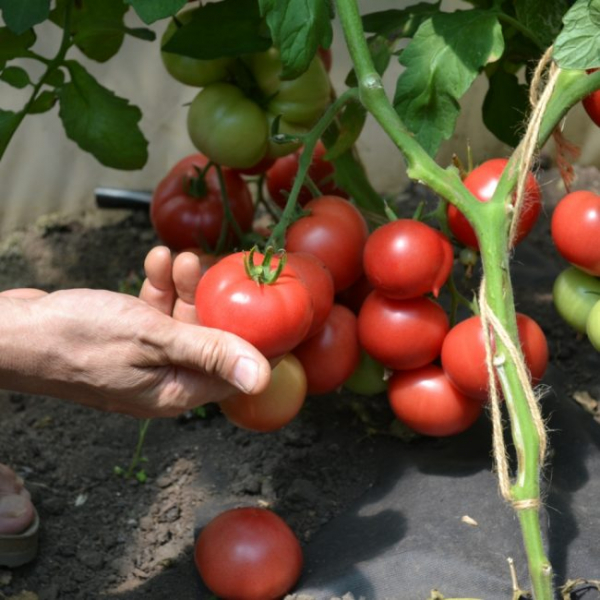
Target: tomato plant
pixel 276 406
pixel 426 401
pixel 187 204
pixel 334 231
pixel 266 304
pixel 575 293
pixel 591 103
pixel 405 259
pixel 592 326
pixel 482 182
pixel 331 355
pixel 463 354
pixel 575 230
pixel 369 377
pixel 402 334
pixel 248 554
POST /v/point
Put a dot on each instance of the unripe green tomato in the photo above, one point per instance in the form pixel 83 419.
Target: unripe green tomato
pixel 276 150
pixel 227 126
pixel 368 377
pixel 299 101
pixel 593 326
pixel 575 293
pixel 192 71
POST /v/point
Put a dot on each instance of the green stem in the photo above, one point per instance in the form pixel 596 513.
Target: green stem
pixel 137 455
pixel 229 220
pixel 518 26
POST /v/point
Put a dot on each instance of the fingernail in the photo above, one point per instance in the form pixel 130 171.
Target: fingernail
pixel 12 507
pixel 245 374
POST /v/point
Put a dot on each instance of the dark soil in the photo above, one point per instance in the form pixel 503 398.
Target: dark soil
pixel 104 536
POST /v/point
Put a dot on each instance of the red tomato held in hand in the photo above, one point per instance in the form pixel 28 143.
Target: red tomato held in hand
pixel 482 182
pixel 280 177
pixel 576 230
pixel 187 211
pixel 426 401
pixel 406 259
pixel 402 334
pixel 276 406
pixel 463 354
pixel 335 231
pixel 248 554
pixel 331 355
pixel 317 278
pixel 274 317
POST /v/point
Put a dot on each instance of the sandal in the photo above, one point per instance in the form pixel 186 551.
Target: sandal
pixel 20 548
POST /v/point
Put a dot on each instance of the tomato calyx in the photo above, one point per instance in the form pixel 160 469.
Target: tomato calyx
pixel 196 186
pixel 264 273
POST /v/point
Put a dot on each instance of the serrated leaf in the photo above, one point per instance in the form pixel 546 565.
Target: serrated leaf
pixel 399 23
pixel 43 103
pixel 100 122
pixel 442 60
pixel 505 107
pixel 226 28
pixel 13 45
pixel 351 123
pixel 542 18
pixel 150 11
pixel 381 52
pixel 298 28
pixel 15 76
pixel 97 27
pixel 578 44
pixel 9 121
pixel 21 15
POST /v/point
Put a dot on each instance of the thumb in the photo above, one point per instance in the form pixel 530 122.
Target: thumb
pixel 220 354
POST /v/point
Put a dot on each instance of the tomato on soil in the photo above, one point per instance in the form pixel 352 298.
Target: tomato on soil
pixel 248 554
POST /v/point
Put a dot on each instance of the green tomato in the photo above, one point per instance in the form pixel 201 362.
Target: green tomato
pixel 227 126
pixel 593 326
pixel 278 150
pixel 575 293
pixel 192 71
pixel 368 377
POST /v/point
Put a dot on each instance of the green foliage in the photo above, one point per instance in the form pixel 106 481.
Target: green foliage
pixel 578 45
pixel 398 24
pixel 15 76
pixel 14 45
pixel 542 17
pixel 150 11
pixel 9 121
pixel 21 15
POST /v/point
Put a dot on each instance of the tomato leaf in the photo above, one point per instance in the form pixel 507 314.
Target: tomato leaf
pixel 381 52
pixel 100 122
pixel 21 15
pixel 13 45
pixel 298 28
pixel 150 11
pixel 442 60
pixel 578 44
pixel 351 123
pixel 542 18
pixel 15 76
pixel 226 28
pixel 9 121
pixel 399 23
pixel 43 103
pixel 97 27
pixel 505 107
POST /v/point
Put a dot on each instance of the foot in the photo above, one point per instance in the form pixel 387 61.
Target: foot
pixel 16 509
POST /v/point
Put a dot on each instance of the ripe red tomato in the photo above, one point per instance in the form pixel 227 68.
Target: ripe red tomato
pixel 325 54
pixel 354 296
pixel 276 406
pixel 426 401
pixel 280 177
pixel 482 182
pixel 187 211
pixel 335 231
pixel 317 278
pixel 463 354
pixel 331 355
pixel 591 104
pixel 406 258
pixel 576 230
pixel 248 554
pixel 402 334
pixel 274 317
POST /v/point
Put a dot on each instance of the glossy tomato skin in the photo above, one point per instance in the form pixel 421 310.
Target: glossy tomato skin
pixel 402 334
pixel 317 278
pixel 575 229
pixel 331 355
pixel 183 220
pixel 248 554
pixel 575 293
pixel 463 354
pixel 354 296
pixel 280 177
pixel 482 182
pixel 273 317
pixel 591 104
pixel 336 232
pixel 426 401
pixel 276 406
pixel 406 259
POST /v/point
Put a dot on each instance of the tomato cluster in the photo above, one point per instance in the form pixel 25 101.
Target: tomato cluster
pixel 575 229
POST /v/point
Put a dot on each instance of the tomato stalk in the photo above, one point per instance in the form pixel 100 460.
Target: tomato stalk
pixel 229 220
pixel 264 273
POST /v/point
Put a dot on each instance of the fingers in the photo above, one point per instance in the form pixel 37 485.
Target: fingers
pixel 158 289
pixel 23 293
pixel 186 275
